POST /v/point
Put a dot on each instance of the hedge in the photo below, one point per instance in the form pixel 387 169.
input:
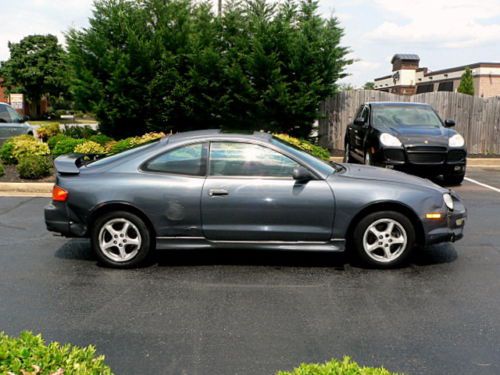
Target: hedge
pixel 2 170
pixel 335 367
pixel 29 354
pixel 17 147
pixel 318 151
pixel 33 167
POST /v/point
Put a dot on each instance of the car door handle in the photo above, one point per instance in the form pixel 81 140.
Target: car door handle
pixel 217 192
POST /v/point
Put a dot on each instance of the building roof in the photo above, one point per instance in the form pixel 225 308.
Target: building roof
pixel 405 56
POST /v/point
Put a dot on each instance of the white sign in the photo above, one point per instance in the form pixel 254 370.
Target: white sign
pixel 17 101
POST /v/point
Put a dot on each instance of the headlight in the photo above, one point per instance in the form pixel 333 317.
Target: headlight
pixel 456 141
pixel 389 140
pixel 448 201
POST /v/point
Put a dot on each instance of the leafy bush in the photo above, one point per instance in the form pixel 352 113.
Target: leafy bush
pixel 29 354
pixel 2 171
pixel 334 367
pixel 6 152
pixel 78 132
pixel 52 141
pixel 33 167
pixel 101 139
pixel 130 142
pixel 89 147
pixel 29 147
pixel 48 130
pixel 66 146
pixel 318 151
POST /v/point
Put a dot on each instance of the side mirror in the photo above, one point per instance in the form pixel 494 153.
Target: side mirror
pixel 449 123
pixel 359 121
pixel 301 174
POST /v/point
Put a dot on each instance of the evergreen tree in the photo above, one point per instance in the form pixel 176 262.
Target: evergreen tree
pixel 466 83
pixel 175 65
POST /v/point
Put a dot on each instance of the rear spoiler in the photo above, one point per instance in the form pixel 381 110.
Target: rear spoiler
pixel 70 164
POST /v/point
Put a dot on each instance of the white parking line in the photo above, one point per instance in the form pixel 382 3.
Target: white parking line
pixel 481 184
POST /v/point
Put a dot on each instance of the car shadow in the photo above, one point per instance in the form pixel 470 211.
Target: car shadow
pixel 79 249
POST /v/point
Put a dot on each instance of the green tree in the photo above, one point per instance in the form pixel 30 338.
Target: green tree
pixel 466 83
pixel 369 85
pixel 175 65
pixel 36 67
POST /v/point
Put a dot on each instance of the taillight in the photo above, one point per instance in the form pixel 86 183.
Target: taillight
pixel 59 194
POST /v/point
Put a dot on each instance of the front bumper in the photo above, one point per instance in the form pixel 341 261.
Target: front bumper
pixel 59 219
pixel 425 160
pixel 450 228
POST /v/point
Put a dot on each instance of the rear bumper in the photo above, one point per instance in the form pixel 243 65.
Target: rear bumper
pixel 57 219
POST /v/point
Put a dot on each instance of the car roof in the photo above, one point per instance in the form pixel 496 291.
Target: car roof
pixel 416 104
pixel 216 133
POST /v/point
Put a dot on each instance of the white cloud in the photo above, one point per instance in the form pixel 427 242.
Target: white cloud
pixel 444 23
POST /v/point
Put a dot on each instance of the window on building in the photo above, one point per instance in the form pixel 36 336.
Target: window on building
pixel 429 87
pixel 445 86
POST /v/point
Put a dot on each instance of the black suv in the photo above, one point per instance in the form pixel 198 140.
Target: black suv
pixel 406 136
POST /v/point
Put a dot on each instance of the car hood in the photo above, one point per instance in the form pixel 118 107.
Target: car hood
pixel 366 172
pixel 421 135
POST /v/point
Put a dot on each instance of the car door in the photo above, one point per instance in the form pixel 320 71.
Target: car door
pixel 6 130
pixel 250 195
pixel 359 131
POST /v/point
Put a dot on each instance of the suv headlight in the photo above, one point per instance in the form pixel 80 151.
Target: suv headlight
pixel 456 141
pixel 448 201
pixel 389 140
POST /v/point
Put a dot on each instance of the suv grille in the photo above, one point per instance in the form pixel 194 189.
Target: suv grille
pixel 426 154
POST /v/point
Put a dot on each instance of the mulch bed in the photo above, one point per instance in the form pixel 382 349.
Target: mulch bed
pixel 11 175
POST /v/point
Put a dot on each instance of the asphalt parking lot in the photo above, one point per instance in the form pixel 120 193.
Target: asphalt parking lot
pixel 244 312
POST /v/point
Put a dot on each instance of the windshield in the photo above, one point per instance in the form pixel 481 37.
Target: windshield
pixel 320 165
pixel 404 115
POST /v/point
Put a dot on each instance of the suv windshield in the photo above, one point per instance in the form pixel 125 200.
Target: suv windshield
pixel 404 115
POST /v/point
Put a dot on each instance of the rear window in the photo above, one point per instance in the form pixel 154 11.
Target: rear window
pixel 109 159
pixel 404 115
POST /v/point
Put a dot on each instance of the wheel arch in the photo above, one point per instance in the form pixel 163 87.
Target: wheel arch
pixel 119 206
pixel 389 206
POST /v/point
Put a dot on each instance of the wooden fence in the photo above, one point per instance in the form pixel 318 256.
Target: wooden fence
pixel 477 119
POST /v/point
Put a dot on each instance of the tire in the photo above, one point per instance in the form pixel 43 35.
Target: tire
pixel 454 179
pixel 390 250
pixel 124 249
pixel 347 154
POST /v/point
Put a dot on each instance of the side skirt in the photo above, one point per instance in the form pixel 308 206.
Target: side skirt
pixel 171 243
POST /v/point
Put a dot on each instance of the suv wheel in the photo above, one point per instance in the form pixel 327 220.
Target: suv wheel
pixel 121 239
pixel 347 154
pixel 384 239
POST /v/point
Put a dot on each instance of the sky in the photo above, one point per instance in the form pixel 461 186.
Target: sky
pixel 444 33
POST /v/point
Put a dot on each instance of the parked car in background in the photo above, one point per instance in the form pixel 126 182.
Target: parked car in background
pixel 210 189
pixel 11 123
pixel 406 136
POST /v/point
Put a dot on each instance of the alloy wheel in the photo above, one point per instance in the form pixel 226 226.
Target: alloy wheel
pixel 119 240
pixel 385 240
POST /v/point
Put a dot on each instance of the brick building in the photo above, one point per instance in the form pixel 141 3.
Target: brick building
pixel 408 78
pixel 3 96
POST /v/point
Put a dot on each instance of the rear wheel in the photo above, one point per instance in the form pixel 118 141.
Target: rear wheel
pixel 121 239
pixel 384 239
pixel 454 179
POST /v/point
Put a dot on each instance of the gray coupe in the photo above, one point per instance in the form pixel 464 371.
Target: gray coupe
pixel 211 189
pixel 11 123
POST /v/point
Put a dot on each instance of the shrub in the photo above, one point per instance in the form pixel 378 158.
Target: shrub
pixel 89 147
pixel 2 171
pixel 49 130
pixel 28 354
pixel 317 151
pixel 6 152
pixel 33 167
pixel 66 146
pixel 79 131
pixel 52 141
pixel 334 367
pixel 29 147
pixel 101 139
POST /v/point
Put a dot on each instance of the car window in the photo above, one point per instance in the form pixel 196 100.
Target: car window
pixel 14 115
pixel 188 160
pixel 249 160
pixel 4 114
pixel 365 114
pixel 405 115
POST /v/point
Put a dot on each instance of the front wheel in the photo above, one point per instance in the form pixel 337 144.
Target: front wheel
pixel 384 239
pixel 347 154
pixel 454 179
pixel 121 239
